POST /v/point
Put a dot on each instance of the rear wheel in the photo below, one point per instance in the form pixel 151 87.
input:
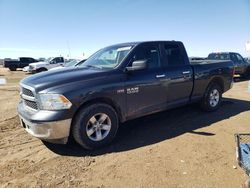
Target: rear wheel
pixel 12 68
pixel 95 126
pixel 212 98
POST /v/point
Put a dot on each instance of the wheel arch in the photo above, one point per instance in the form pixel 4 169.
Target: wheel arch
pixel 216 80
pixel 104 100
pixel 42 68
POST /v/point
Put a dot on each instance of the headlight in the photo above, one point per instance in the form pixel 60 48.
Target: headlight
pixel 54 102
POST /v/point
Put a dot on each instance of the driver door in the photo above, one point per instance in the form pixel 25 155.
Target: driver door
pixel 145 88
pixel 56 62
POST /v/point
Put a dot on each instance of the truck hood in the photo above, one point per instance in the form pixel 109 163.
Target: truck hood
pixel 39 63
pixel 57 68
pixel 45 80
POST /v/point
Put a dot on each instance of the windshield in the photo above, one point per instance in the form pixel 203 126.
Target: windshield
pixel 109 57
pixel 48 60
pixel 71 63
pixel 80 63
pixel 222 56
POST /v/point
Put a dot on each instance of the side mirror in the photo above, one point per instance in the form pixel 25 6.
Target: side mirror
pixel 137 65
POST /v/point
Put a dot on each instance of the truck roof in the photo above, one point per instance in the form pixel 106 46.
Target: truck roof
pixel 223 52
pixel 141 42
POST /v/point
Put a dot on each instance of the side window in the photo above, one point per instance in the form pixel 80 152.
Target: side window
pixel 234 58
pixel 174 55
pixel 150 53
pixel 58 60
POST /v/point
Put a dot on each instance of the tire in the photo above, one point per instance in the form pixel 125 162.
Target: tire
pixel 41 70
pixel 212 98
pixel 12 68
pixel 86 131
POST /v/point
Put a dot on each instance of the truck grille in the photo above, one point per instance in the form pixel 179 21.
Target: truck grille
pixel 31 104
pixel 28 98
pixel 31 67
pixel 27 92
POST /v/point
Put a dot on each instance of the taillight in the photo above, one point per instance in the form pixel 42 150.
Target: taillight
pixel 233 71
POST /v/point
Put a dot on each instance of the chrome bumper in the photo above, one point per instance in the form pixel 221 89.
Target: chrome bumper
pixel 55 131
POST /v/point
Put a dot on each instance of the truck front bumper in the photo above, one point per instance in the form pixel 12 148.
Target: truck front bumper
pixel 56 131
pixel 31 71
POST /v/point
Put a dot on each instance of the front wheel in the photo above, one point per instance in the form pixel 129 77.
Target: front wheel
pixel 95 126
pixel 212 98
pixel 41 70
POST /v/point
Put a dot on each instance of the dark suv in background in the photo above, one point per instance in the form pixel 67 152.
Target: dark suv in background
pixel 20 63
pixel 241 66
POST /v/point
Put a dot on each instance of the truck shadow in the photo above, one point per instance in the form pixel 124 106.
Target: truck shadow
pixel 159 127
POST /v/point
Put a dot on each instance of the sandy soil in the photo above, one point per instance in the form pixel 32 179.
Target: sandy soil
pixel 183 147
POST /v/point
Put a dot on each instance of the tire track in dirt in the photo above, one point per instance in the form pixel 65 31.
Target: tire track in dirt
pixel 28 160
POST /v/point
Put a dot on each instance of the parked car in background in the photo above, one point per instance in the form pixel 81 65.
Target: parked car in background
pixel 41 59
pixel 116 84
pixel 73 63
pixel 247 59
pixel 46 65
pixel 241 66
pixel 196 58
pixel 20 63
pixel 1 61
pixel 26 69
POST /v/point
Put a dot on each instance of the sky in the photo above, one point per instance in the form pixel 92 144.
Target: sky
pixel 78 28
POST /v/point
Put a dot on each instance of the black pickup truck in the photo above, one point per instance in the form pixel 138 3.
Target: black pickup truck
pixel 242 67
pixel 22 62
pixel 116 84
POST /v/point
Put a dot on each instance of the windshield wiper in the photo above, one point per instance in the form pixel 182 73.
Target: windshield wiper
pixel 93 66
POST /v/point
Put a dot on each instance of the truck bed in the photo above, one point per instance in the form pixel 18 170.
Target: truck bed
pixel 207 61
pixel 206 70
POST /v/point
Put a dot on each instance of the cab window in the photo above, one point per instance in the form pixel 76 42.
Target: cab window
pixel 173 55
pixel 149 53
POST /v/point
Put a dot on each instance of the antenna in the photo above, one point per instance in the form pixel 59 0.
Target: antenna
pixel 69 53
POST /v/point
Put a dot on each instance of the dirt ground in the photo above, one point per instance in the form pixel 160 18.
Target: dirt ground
pixel 184 147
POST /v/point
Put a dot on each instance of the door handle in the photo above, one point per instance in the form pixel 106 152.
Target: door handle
pixel 186 72
pixel 160 76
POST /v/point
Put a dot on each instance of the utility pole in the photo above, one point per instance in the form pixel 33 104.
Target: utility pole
pixel 248 46
pixel 69 53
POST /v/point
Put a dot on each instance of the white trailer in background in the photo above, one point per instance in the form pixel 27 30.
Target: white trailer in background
pixel 248 46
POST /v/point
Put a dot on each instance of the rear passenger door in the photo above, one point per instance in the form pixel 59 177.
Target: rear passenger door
pixel 179 73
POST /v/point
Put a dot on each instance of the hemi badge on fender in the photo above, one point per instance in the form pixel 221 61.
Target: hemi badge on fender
pixel 120 91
